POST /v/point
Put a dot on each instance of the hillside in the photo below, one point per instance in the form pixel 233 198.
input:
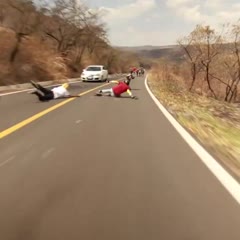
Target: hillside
pixel 170 52
pixel 145 47
pixel 47 43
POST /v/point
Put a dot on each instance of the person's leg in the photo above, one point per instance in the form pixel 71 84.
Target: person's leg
pixel 39 95
pixel 44 90
pixel 106 90
pixel 41 88
pixel 43 97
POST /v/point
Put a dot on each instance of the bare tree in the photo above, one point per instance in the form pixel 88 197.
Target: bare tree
pixel 209 44
pixel 193 55
pixel 69 23
pixel 2 11
pixel 60 31
pixel 231 93
pixel 228 64
pixel 23 20
pixel 96 38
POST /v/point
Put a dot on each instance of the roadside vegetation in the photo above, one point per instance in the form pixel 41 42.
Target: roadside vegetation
pixel 54 40
pixel 202 89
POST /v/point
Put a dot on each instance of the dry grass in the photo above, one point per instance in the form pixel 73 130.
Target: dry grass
pixel 215 124
pixel 38 57
pixel 44 60
pixel 34 60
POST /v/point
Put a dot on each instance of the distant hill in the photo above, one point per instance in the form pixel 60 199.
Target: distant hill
pixel 145 47
pixel 171 52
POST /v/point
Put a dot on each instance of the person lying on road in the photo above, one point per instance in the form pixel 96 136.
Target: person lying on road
pixel 119 89
pixel 45 94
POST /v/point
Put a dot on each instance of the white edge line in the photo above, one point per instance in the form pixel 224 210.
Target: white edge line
pixel 231 185
pixel 7 161
pixel 29 89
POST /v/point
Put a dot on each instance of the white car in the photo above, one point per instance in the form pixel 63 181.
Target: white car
pixel 94 73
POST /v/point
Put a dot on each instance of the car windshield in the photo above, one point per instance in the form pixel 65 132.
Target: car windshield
pixel 93 69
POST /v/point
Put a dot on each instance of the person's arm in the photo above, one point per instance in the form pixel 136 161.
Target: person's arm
pixel 68 95
pixel 72 96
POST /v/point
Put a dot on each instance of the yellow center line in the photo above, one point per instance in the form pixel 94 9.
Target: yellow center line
pixel 27 121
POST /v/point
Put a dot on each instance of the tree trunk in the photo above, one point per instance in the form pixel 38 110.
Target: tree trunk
pixel 233 95
pixel 16 48
pixel 228 90
pixel 193 76
pixel 79 55
pixel 208 81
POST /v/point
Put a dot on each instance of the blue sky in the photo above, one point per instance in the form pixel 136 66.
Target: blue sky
pixel 161 22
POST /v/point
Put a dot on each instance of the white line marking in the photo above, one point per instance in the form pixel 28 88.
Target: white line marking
pixel 230 184
pixel 7 161
pixel 78 121
pixel 30 89
pixel 48 153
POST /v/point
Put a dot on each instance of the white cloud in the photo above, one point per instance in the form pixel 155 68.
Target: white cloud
pixel 228 15
pixel 136 37
pixel 214 4
pixel 190 10
pixel 128 11
pixel 177 3
pixel 205 11
pixel 191 13
pixel 161 22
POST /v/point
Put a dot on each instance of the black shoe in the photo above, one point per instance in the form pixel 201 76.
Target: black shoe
pixel 99 93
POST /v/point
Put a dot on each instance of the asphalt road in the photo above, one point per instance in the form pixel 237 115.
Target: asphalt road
pixel 102 168
pixel 17 107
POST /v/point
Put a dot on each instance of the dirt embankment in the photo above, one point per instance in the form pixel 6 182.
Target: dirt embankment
pixel 34 60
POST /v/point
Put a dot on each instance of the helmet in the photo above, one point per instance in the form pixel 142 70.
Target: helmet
pixel 65 85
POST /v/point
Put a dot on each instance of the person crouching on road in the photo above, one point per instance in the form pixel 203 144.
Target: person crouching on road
pixel 45 94
pixel 138 72
pixel 120 88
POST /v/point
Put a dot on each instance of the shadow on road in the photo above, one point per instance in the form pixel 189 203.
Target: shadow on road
pixel 122 97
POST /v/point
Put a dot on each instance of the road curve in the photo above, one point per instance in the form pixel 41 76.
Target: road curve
pixel 106 168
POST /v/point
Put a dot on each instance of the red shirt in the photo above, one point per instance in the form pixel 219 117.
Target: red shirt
pixel 120 88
